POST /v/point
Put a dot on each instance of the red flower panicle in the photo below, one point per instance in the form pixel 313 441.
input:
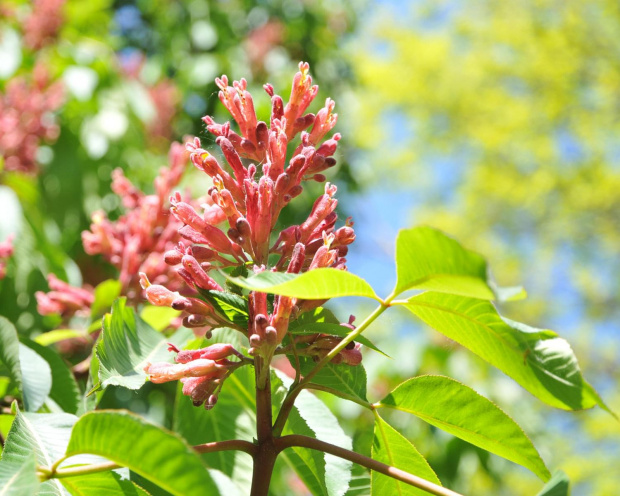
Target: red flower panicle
pixel 236 227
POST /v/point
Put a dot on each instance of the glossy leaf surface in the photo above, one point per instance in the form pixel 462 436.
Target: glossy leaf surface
pixel 428 259
pixel 539 360
pixel 318 284
pixel 151 451
pixel 391 448
pixel 127 346
pixel 455 408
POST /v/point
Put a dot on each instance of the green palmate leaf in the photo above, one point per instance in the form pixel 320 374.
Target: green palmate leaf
pixel 539 360
pixel 232 306
pixel 57 335
pixel 127 345
pixel 64 392
pixel 19 479
pixel 318 284
pixel 393 449
pixel 105 294
pixel 329 328
pixel 428 259
pixel 344 378
pixel 459 410
pixel 558 485
pixel 44 434
pixel 324 474
pixel 155 453
pixel 108 484
pixel 36 378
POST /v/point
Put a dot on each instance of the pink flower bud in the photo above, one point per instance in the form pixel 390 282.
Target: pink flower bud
pixel 166 372
pixel 352 357
pixel 297 259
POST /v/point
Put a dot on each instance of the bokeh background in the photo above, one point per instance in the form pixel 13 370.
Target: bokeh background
pixel 498 122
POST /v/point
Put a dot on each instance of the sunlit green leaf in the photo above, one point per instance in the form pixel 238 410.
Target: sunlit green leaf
pixel 453 407
pixel 539 360
pixel 36 378
pixel 128 344
pixel 65 391
pixel 44 434
pixel 155 453
pixel 232 306
pixel 9 351
pixel 19 478
pixel 345 378
pixel 428 259
pixel 393 449
pixel 318 284
pixel 106 483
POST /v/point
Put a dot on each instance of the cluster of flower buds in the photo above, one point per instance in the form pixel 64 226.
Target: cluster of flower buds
pixel 202 371
pixel 64 299
pixel 43 23
pixel 26 119
pixel 134 243
pixel 237 226
pixel 6 251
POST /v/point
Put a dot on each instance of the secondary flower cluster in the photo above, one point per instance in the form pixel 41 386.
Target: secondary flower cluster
pixel 43 23
pixel 6 251
pixel 26 119
pixel 137 240
pixel 63 298
pixel 134 243
pixel 235 228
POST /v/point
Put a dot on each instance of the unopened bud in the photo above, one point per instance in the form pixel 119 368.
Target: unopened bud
pixel 271 335
pixel 173 257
